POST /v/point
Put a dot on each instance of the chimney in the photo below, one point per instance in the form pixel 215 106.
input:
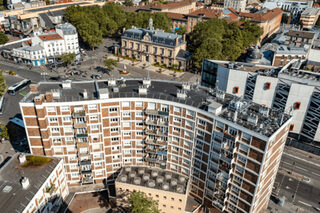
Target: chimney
pixel 33 88
pixel 66 84
pixel 38 99
pixel 25 182
pixel 22 159
pixel 85 94
pixel 49 97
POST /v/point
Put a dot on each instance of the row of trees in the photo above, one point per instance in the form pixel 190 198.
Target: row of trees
pixel 218 39
pixel 3 38
pixel 94 23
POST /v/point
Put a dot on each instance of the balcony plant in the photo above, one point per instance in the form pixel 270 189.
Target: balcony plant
pixel 50 189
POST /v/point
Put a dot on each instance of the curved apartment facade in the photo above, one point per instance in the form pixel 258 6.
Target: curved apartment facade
pixel 227 147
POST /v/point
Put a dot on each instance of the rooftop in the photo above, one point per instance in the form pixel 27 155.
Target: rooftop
pixel 67 29
pixel 13 198
pixel 154 178
pixel 50 36
pixel 192 95
pixel 292 50
pixel 172 4
pixel 310 11
pixel 301 34
pixel 31 48
pixel 262 16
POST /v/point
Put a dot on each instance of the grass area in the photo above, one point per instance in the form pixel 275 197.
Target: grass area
pixel 36 161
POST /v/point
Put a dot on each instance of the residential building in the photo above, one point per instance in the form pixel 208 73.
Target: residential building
pixel 284 54
pixel 309 18
pixel 155 46
pixel 26 186
pixel 48 46
pixel 228 148
pixel 183 7
pixel 286 88
pixel 295 7
pixel 299 38
pixel 238 5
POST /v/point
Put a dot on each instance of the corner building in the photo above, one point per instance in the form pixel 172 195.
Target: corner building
pixel 228 148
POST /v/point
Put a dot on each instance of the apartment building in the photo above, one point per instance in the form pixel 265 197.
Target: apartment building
pixel 309 18
pixel 48 46
pixel 286 88
pixel 30 183
pixel 238 5
pixel 228 148
pixel 182 7
pixel 295 7
pixel 155 46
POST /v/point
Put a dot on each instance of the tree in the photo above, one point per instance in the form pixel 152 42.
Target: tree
pixel 3 85
pixel 181 31
pixel 90 33
pixel 3 38
pixel 4 132
pixel 128 3
pixel 68 58
pixel 140 203
pixel 110 63
pixel 318 22
pixel 116 13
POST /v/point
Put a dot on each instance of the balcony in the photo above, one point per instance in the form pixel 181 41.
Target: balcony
pixel 84 153
pixel 155 160
pixel 164 113
pixel 155 132
pixel 50 189
pixel 85 162
pixel 81 113
pixel 86 171
pixel 156 112
pixel 80 125
pixel 150 122
pixel 87 179
pixel 81 135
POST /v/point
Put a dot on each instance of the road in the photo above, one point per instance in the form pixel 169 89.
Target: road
pixel 300 194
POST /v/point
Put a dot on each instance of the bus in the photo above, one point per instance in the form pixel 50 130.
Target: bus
pixel 18 86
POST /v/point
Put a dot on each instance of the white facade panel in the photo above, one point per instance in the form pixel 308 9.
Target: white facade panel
pixel 262 95
pixel 299 94
pixel 237 79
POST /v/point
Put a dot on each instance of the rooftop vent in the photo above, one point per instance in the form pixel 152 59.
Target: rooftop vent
pixel 181 94
pixel 56 94
pixel 103 93
pixel 115 89
pixel 22 158
pixel 137 180
pixel 132 174
pixel 127 169
pixel 25 182
pixel 143 90
pixel 186 86
pixel 180 188
pixel 230 65
pixel 112 82
pixel 154 173
pixel 66 84
pixel 264 110
pixel 124 178
pixel 168 176
pixel 165 186
pixel 182 179
pixel 159 179
pixel 174 182
pixel 141 171
pixel 146 82
pixel 253 119
pixel 85 94
pixel 220 94
pixel 146 177
pixel 151 184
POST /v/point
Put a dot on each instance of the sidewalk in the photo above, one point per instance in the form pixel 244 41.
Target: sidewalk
pixel 148 66
pixel 87 188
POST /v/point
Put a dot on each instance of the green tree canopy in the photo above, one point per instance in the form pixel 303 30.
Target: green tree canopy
pixel 3 38
pixel 68 58
pixel 110 63
pixel 140 203
pixel 3 85
pixel 216 39
pixel 128 3
pixel 182 30
pixel 318 22
pixel 4 132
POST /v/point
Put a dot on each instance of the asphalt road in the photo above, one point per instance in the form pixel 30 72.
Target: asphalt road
pixel 303 194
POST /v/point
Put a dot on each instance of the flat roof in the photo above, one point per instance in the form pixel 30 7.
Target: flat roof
pixel 155 178
pixel 55 7
pixel 196 96
pixel 13 198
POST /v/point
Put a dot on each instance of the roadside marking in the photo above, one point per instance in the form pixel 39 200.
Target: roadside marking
pixel 301 168
pixel 307 161
pixel 307 204
pixel 315 173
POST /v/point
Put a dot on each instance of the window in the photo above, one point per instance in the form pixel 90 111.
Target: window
pixel 139 133
pixel 68 129
pixel 126 124
pixel 115 148
pixel 164 206
pixel 235 90
pixel 176 119
pixel 116 165
pixel 113 120
pixel 242 159
pixel 93 117
pixel 177 109
pixel 296 105
pixel 152 105
pixel 126 114
pixel 96 146
pixel 51 109
pixel 232 131
pixel 172 199
pixel 113 109
pixel 126 133
pixel 99 172
pixel 139 104
pixel 190 113
pixel 126 104
pixel 53 120
pixel 114 129
pixel 180 200
pixel 202 133
pixel 98 163
pixel 93 106
pixel 69 139
pixel 175 129
pixel 165 197
pixel 201 122
pixel 55 130
pixel 71 149
pixel 74 174
pixel 56 140
pixel 57 149
pixel 139 114
pixel 127 143
pixel 95 137
pixel 94 127
pixel 114 139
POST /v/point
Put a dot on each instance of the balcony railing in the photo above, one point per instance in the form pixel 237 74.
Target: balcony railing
pixel 86 171
pixel 81 113
pixel 85 162
pixel 156 112
pixel 87 180
pixel 81 135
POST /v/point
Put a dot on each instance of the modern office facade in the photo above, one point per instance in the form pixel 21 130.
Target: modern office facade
pixel 31 183
pixel 228 148
pixel 284 88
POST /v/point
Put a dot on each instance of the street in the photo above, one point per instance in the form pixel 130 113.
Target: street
pixel 301 194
